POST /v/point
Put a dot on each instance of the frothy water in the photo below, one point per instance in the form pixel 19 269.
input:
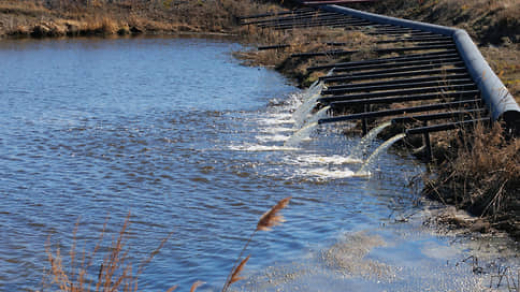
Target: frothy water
pixel 326 173
pixel 333 159
pixel 272 138
pixel 369 163
pixel 309 101
pixel 322 113
pixel 302 135
pixel 358 151
pixel 254 148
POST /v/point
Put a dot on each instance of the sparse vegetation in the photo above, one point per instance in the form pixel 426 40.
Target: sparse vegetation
pixel 298 41
pixel 56 18
pixel 487 21
pixel 483 177
pixel 79 272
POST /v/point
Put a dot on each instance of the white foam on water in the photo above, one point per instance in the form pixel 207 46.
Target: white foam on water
pixel 362 174
pixel 258 148
pixel 275 130
pixel 272 138
pixel 302 135
pixel 275 122
pixel 334 159
pixel 325 173
pixel 281 116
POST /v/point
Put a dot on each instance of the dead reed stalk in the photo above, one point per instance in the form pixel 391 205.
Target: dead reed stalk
pixel 267 221
pixel 114 273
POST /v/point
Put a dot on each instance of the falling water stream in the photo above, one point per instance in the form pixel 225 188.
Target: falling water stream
pixel 301 113
pixel 301 135
pixel 369 163
pixel 189 141
pixel 357 152
pixel 322 113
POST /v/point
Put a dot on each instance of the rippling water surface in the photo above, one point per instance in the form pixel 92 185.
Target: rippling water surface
pixel 185 138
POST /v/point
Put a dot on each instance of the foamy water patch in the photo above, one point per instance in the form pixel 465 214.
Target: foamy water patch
pixel 281 116
pixel 326 173
pixel 273 121
pixel 274 130
pixel 272 138
pixel 334 159
pixel 258 148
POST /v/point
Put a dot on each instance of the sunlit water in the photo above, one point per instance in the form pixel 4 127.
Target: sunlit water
pixel 188 140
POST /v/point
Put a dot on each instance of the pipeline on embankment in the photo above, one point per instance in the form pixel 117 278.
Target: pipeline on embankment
pixel 497 98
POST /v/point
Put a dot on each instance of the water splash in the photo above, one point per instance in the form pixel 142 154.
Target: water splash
pixel 315 83
pixel 301 135
pixel 334 160
pixel 271 138
pixel 325 173
pixel 322 113
pixel 310 98
pixel 305 109
pixel 260 148
pixel 364 171
pixel 357 152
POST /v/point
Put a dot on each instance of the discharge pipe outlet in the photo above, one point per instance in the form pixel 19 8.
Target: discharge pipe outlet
pixel 497 98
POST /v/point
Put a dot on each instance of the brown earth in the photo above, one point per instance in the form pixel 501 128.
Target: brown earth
pixel 55 18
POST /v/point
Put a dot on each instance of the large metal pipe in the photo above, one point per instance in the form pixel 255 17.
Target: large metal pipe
pixel 497 98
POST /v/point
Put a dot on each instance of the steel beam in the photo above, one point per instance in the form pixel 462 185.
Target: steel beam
pixel 389 100
pixel 395 112
pixel 398 86
pixel 444 79
pixel 444 54
pixel 439 72
pixel 446 127
pixel 471 113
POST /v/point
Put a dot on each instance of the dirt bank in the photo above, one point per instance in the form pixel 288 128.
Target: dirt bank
pixel 55 18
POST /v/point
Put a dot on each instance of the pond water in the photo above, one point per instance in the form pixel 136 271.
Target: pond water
pixel 179 134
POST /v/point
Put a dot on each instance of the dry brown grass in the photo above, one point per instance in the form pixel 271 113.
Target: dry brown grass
pixel 60 17
pixel 486 20
pixel 505 61
pixel 267 221
pixel 483 177
pixel 299 41
pixel 79 273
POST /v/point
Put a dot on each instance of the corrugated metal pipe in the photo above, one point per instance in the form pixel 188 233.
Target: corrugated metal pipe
pixel 497 98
